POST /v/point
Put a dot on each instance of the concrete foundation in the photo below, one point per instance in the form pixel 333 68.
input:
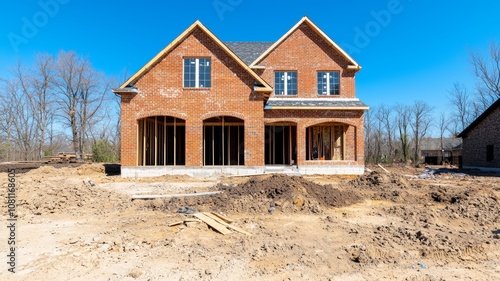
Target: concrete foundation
pixel 203 172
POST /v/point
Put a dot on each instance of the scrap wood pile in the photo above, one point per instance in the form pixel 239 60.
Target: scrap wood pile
pixel 216 221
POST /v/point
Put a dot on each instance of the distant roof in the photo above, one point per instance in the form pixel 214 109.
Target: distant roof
pixel 300 103
pixel 480 119
pixel 435 143
pixel 248 51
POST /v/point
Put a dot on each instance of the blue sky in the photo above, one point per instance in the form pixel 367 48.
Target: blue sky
pixel 409 49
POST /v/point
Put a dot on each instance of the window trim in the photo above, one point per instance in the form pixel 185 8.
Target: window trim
pixel 197 73
pixel 285 88
pixel 327 82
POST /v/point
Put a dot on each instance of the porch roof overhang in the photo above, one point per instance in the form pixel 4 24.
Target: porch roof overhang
pixel 315 103
pixel 126 90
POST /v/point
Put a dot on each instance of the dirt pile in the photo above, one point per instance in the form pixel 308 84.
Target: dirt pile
pixel 478 205
pixel 258 194
pixel 392 187
pixel 57 190
pixel 380 181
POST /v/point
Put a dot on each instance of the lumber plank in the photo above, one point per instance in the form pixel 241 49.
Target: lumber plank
pixel 224 218
pixel 214 224
pixel 154 196
pixel 233 227
pixel 175 223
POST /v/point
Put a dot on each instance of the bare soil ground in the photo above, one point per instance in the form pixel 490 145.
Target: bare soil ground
pixel 379 226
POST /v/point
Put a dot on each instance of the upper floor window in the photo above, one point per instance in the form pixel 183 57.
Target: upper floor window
pixel 285 82
pixel 197 73
pixel 328 83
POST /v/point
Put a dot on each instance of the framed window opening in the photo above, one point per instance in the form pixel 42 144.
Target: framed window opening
pixel 197 73
pixel 285 83
pixel 329 83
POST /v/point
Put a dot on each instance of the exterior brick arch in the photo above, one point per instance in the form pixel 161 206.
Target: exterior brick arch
pixel 240 89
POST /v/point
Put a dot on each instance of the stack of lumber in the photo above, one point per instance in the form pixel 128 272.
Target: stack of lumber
pixel 216 221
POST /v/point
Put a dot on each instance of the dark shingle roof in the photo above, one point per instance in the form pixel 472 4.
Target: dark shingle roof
pixel 479 119
pixel 435 143
pixel 248 51
pixel 297 102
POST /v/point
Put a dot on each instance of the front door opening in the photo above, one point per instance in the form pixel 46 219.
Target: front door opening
pixel 281 145
pixel 223 141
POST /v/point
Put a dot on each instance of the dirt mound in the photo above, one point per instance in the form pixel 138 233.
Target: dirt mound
pixel 258 194
pixel 392 187
pixel 477 205
pixel 91 169
pixel 380 181
pixel 62 193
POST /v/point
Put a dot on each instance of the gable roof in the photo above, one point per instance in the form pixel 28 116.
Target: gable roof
pixel 248 51
pixel 353 64
pixel 125 88
pixel 480 119
pixel 435 143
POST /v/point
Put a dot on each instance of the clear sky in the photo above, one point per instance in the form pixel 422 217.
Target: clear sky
pixel 409 49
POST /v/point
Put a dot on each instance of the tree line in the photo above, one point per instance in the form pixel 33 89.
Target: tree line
pixel 58 102
pixel 395 133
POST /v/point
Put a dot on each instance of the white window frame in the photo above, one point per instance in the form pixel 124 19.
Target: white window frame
pixel 285 84
pixel 196 73
pixel 328 83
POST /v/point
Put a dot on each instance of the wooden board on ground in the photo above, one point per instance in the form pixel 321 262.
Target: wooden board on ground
pixel 212 223
pixel 220 221
pixel 183 221
pixel 174 195
pixel 175 223
pixel 226 219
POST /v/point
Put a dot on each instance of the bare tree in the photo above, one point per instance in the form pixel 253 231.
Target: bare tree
pixel 420 124
pixel 403 125
pixel 36 86
pixel 443 127
pixel 369 136
pixel 461 104
pixel 385 119
pixel 19 122
pixel 487 71
pixel 82 91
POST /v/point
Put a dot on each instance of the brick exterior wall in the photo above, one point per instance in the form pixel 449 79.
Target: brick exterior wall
pixel 161 92
pixel 485 133
pixel 307 53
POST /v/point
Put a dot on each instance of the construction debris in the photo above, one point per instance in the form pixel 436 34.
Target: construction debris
pixel 186 220
pixel 383 168
pixel 217 222
pixel 175 195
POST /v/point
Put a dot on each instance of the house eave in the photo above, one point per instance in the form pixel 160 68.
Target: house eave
pixel 127 90
pixel 317 107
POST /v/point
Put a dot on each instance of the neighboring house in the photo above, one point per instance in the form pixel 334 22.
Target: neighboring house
pixel 202 106
pixel 481 140
pixel 435 151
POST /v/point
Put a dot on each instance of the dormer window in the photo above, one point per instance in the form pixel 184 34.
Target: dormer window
pixel 197 73
pixel 328 83
pixel 285 83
